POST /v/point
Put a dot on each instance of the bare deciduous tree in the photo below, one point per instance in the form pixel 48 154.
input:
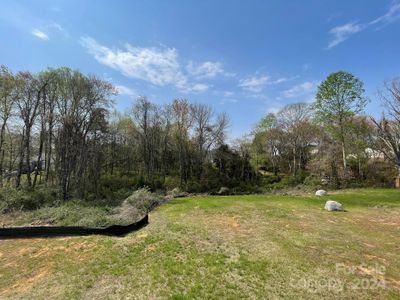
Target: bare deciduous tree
pixel 388 128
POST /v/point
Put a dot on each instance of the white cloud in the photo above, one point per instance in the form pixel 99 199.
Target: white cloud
pixel 124 90
pixel 280 80
pixel 206 69
pixel 343 32
pixel 391 16
pixel 228 94
pixel 195 88
pixel 300 89
pixel 228 100
pixel 254 84
pixel 159 66
pixel 40 34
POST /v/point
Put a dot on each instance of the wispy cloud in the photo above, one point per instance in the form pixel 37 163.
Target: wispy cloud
pixel 228 94
pixel 195 88
pixel 228 101
pixel 124 90
pixel 283 79
pixel 206 69
pixel 254 84
pixel 158 66
pixel 300 90
pixel 21 18
pixel 392 15
pixel 343 32
pixel 40 34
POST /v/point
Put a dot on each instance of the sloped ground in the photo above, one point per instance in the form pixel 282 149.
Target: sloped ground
pixel 223 247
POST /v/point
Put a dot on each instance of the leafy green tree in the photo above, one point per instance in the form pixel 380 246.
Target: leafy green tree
pixel 8 97
pixel 339 98
pixel 266 123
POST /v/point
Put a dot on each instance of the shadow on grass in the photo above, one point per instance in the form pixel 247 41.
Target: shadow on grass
pixel 59 231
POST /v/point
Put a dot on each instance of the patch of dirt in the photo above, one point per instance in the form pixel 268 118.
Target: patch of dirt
pixel 369 245
pixel 151 248
pixel 48 250
pixel 374 273
pixel 390 221
pixel 76 249
pixel 223 223
pixel 374 257
pixel 226 222
pixel 25 250
pixel 83 246
pixel 142 235
pixel 23 285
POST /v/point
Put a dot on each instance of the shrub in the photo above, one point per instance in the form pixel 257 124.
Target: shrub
pixel 269 179
pixel 380 173
pixel 13 200
pixel 313 181
pixel 112 189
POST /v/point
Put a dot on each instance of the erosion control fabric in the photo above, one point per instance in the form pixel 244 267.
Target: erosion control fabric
pixel 55 231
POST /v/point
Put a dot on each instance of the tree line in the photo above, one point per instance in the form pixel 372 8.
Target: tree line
pixel 332 138
pixel 59 129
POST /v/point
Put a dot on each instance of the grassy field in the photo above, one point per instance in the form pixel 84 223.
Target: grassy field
pixel 274 247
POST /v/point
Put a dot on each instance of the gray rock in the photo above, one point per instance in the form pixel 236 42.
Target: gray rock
pixel 331 205
pixel 321 193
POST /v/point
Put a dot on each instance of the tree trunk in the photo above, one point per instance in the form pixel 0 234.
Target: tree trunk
pixel 28 156
pixel 39 159
pixel 294 161
pixel 49 150
pixel 397 180
pixel 21 160
pixel 344 160
pixel 3 129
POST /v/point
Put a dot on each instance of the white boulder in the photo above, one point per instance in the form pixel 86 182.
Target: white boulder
pixel 331 205
pixel 321 193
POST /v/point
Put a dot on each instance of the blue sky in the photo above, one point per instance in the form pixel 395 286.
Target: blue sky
pixel 246 58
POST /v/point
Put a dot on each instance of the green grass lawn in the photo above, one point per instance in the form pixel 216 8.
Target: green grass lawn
pixel 270 247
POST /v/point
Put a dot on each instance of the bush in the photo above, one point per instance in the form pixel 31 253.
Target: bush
pixel 269 179
pixel 380 173
pixel 113 183
pixel 313 181
pixel 171 182
pixel 13 200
